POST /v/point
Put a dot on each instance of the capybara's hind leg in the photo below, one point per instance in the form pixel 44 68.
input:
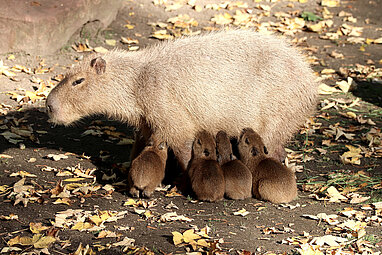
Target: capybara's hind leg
pixel 273 191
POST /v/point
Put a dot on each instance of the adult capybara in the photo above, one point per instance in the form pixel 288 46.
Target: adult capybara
pixel 271 180
pixel 237 177
pixel 148 169
pixel 226 80
pixel 206 176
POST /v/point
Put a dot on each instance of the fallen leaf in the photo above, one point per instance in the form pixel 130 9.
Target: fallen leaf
pixel 241 212
pixel 334 195
pixel 352 156
pixel 100 49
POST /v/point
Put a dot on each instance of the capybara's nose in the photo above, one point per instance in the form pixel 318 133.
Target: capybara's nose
pixel 49 105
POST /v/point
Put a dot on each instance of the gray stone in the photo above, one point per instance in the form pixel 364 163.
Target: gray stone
pixel 44 26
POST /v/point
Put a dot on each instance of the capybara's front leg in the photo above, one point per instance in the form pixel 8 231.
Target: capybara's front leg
pixel 183 155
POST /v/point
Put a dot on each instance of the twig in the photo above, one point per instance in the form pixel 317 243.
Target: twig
pixel 21 230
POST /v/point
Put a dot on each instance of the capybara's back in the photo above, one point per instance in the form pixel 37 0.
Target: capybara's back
pixel 229 81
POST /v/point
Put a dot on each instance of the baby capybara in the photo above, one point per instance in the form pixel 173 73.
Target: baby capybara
pixel 206 176
pixel 271 180
pixel 148 169
pixel 237 177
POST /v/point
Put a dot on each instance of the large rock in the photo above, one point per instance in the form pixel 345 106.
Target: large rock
pixel 44 26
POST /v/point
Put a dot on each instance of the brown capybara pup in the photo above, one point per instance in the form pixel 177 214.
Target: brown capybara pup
pixel 237 177
pixel 148 169
pixel 225 80
pixel 206 176
pixel 271 180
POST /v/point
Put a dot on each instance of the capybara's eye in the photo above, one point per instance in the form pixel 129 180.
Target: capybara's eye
pixel 79 81
pixel 246 140
pixel 206 152
pixel 265 150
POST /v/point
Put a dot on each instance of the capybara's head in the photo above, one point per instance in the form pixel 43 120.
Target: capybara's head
pixel 77 94
pixel 251 145
pixel 224 148
pixel 204 146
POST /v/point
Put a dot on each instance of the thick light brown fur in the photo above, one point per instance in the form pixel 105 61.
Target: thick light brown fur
pixel 237 177
pixel 148 169
pixel 225 80
pixel 206 176
pixel 271 180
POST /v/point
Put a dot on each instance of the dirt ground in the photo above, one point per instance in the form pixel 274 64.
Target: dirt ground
pixel 63 189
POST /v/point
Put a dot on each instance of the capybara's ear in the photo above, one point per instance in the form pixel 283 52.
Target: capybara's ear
pixel 265 150
pixel 99 65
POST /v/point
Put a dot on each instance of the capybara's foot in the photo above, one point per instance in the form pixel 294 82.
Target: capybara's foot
pixel 134 192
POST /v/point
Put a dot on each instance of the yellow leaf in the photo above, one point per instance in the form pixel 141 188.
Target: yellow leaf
pixel 36 228
pixel 130 201
pixel 161 34
pixel 202 242
pixel 100 49
pixel 111 42
pixel 362 48
pixel 369 41
pixel 74 179
pixel 177 237
pixel 335 195
pixel 241 212
pixel 378 41
pixel 44 242
pixel 189 236
pixel 328 71
pixel 330 3
pixel 222 19
pixel 303 1
pixel 129 26
pixel 351 115
pixel 316 27
pixel 64 200
pixel 22 174
pixel 82 226
pixel 352 156
pixel 22 240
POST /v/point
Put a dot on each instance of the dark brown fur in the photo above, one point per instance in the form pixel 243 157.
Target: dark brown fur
pixel 148 169
pixel 206 176
pixel 238 178
pixel 271 180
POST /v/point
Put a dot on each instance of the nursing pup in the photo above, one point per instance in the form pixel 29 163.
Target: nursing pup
pixel 206 175
pixel 238 178
pixel 148 169
pixel 271 180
